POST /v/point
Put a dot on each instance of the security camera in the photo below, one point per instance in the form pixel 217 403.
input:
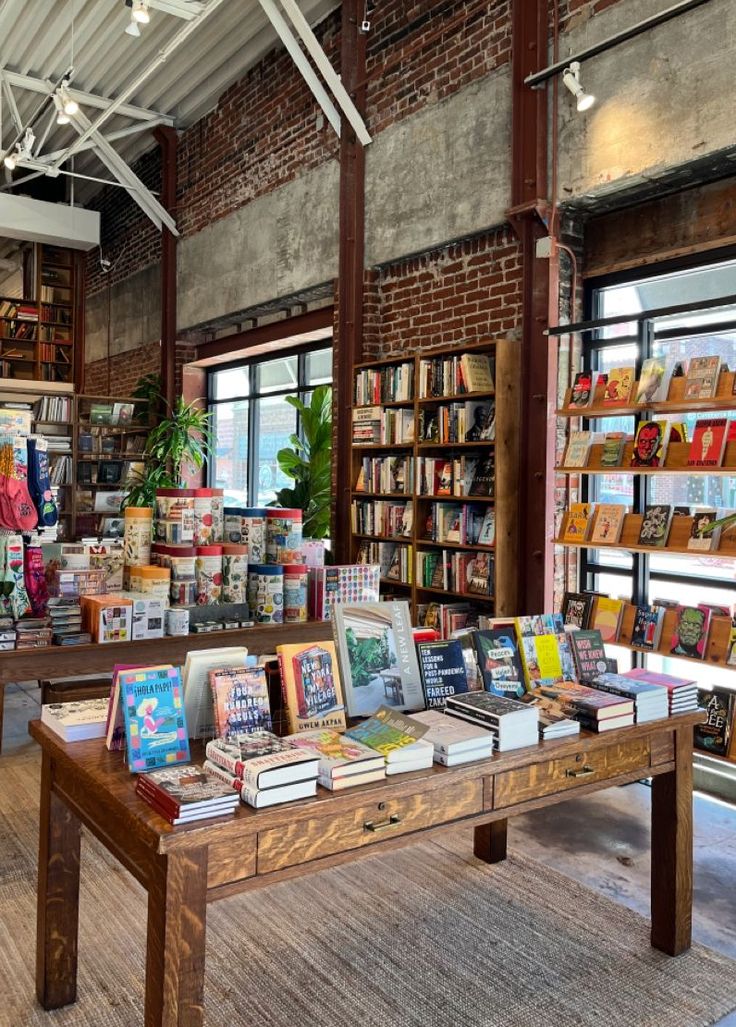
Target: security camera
pixel 105 264
pixel 365 26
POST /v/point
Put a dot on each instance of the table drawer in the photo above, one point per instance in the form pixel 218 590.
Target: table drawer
pixel 366 824
pixel 516 786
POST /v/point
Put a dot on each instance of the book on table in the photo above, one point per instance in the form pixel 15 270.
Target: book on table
pixel 234 753
pixel 260 798
pixel 311 686
pixel 262 760
pixel 156 732
pixel 591 706
pixel 650 701
pixel 539 643
pixel 198 703
pixel 240 696
pixel 186 793
pixel 341 759
pixel 455 741
pixel 682 692
pixel 513 724
pixel 76 721
pixel 397 737
pixel 589 654
pixel 442 670
pixel 553 721
pixel 499 660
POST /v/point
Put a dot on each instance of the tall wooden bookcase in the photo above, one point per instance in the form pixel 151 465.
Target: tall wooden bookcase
pixel 503 499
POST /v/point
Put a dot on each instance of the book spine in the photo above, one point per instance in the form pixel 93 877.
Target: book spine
pixel 217 771
pixel 232 766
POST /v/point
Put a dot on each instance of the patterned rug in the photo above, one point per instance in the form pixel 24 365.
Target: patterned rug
pixel 424 937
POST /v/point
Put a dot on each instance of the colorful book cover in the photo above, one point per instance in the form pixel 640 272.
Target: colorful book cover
pixel 655 527
pixel 691 631
pixel 233 753
pixel 650 444
pixel 155 726
pixel 618 387
pixel 442 669
pixel 311 685
pixel 709 442
pixel 702 539
pixel 378 660
pixel 652 373
pixel 578 449
pixel 590 702
pixel 477 372
pixel 612 453
pixel 182 788
pixel 701 381
pixel 499 661
pixel 576 608
pixel 487 532
pixel 731 658
pixel 581 394
pixel 387 731
pixel 589 655
pixel 647 629
pixel 576 523
pixel 678 431
pixel 240 696
pixel 339 756
pixel 607 615
pixel 715 734
pixel 540 654
pixel 608 523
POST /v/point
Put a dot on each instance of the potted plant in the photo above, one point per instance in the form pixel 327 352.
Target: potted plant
pixel 308 462
pixel 178 443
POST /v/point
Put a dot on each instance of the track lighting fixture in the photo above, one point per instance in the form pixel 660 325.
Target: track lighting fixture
pixel 23 150
pixel 62 118
pixel 140 12
pixel 132 28
pixel 571 78
pixel 69 104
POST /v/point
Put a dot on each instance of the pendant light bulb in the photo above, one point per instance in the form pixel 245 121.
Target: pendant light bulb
pixel 62 118
pixel 9 162
pixel 68 102
pixel 132 29
pixel 140 12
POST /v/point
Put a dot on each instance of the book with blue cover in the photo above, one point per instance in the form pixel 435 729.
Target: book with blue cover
pixel 442 669
pixel 155 725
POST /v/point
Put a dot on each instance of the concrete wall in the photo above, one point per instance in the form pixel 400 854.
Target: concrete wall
pixel 663 99
pixel 135 315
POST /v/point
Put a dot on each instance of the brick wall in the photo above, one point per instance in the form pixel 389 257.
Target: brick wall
pixel 464 291
pixel 125 369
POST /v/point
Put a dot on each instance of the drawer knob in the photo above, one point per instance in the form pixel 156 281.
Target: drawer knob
pixel 382 825
pixel 584 771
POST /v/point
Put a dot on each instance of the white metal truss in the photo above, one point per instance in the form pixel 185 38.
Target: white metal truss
pixel 186 9
pixel 42 85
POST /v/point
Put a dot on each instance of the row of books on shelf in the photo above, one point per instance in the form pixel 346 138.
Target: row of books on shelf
pixel 382 517
pixel 619 387
pixel 60 471
pixel 452 571
pixel 454 375
pixel 391 383
pixel 106 472
pixel 376 426
pixel 109 414
pixel 471 421
pixel 690 624
pixel 464 476
pixel 465 524
pixel 386 474
pixel 98 441
pixel 603 524
pixel 650 444
pixel 395 560
pixel 53 408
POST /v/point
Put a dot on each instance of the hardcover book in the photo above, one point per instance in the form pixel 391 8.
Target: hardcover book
pixel 701 381
pixel 232 754
pixel 198 705
pixel 388 732
pixel 499 661
pixel 584 702
pixel 655 527
pixel 312 690
pixel 452 737
pixel 339 756
pixel 608 523
pixel 618 387
pixel 378 659
pixel 576 523
pixel 607 614
pixel 477 372
pixel 539 647
pixel 647 629
pixel 715 734
pixel 709 442
pixel 155 725
pixel 652 373
pixel 701 538
pixel 240 696
pixel 480 422
pixel 589 655
pixel 442 670
pixel 483 478
pixel 691 631
pixel 581 394
pixel 76 721
pixel 279 768
pixel 578 449
pixel 612 453
pixel 576 608
pixel 487 533
pixel 186 788
pixel 650 444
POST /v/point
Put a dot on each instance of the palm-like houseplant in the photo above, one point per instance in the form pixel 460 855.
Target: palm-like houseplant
pixel 308 462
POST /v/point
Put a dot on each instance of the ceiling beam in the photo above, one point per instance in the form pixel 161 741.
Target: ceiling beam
pixel 40 85
pixel 111 137
pixel 15 114
pixel 186 9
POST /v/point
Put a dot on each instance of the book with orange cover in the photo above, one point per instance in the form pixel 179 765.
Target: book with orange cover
pixel 576 524
pixel 311 687
pixel 709 442
pixel 619 386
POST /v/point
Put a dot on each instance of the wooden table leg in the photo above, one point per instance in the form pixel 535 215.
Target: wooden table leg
pixel 489 842
pixel 672 851
pixel 175 952
pixel 58 898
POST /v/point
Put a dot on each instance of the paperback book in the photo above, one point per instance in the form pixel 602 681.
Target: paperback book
pixel 455 741
pixel 499 661
pixel 589 655
pixel 709 442
pixel 608 523
pixel 650 444
pixel 690 635
pixel 619 386
pixel 240 696
pixel 655 527
pixel 612 453
pixel 311 685
pixel 701 381
pixel 576 523
pixel 339 756
pixel 155 724
pixel 577 608
pixel 442 670
pixel 702 537
pixel 650 380
pixel 647 630
pixel 392 734
pixel 578 449
pixel 714 735
pixel 581 394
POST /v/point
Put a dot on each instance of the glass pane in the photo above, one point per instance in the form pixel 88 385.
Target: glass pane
pixel 319 367
pixel 276 421
pixel 278 375
pixel 230 383
pixel 230 432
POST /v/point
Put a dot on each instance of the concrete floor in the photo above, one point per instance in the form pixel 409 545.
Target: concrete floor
pixel 600 840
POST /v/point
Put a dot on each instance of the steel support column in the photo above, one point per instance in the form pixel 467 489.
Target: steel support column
pixel 537 359
pixel 167 140
pixel 351 268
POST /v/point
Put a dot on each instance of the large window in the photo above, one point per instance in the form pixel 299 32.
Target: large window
pixel 673 339
pixel 252 421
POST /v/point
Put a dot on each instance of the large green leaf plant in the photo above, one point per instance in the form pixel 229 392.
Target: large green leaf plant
pixel 308 462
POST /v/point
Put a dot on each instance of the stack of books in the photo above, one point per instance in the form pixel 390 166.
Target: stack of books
pixel 595 710
pixel 512 724
pixel 66 621
pixel 553 721
pixel 343 762
pixel 682 692
pixel 398 738
pixel 32 633
pixel 455 742
pixel 76 721
pixel 650 701
pixel 186 793
pixel 264 769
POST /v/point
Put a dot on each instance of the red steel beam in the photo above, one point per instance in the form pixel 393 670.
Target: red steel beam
pixel 167 140
pixel 350 269
pixel 243 344
pixel 537 364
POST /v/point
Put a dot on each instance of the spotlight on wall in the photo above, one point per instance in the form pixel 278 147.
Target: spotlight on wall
pixel 62 118
pixel 571 78
pixel 140 12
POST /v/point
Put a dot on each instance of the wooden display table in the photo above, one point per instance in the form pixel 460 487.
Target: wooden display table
pixel 183 868
pixel 57 661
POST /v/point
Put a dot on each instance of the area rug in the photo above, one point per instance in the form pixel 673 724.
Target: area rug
pixel 424 937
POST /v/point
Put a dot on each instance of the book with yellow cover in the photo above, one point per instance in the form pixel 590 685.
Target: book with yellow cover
pixel 619 386
pixel 607 614
pixel 539 648
pixel 608 522
pixel 310 683
pixel 576 523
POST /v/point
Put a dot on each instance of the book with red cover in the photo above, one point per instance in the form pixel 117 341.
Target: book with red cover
pixel 185 789
pixel 709 442
pixel 690 635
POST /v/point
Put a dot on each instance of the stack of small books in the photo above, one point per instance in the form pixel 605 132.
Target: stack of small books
pixel 682 692
pixel 650 701
pixel 186 793
pixel 399 739
pixel 595 710
pixel 453 741
pixel 343 762
pixel 265 769
pixel 511 723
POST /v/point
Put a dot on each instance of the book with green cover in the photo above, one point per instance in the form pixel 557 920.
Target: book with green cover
pixel 388 732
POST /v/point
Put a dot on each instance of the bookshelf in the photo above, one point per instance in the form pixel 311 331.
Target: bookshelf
pixel 394 482
pixel 109 435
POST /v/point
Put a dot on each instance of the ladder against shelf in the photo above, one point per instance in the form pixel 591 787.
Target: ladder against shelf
pixel 675 462
pixel 680 529
pixel 676 402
